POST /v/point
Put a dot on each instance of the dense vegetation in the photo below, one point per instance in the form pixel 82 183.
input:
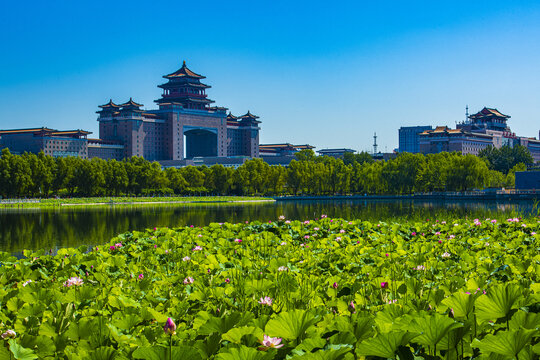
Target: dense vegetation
pixel 319 289
pixel 505 158
pixel 31 175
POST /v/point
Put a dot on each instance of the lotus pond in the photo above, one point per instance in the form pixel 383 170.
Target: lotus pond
pixel 315 289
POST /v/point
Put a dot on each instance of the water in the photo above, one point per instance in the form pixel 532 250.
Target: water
pixel 75 226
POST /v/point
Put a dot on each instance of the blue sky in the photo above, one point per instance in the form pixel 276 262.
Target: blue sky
pixel 325 73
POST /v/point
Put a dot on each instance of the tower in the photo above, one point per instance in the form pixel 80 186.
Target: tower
pixel 184 88
pixel 375 143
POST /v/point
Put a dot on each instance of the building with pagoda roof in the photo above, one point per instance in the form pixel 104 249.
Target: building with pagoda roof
pixel 184 126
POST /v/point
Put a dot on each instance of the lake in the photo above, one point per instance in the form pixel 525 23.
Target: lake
pixel 74 226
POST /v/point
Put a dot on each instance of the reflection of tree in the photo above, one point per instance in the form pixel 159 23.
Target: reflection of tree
pixel 50 229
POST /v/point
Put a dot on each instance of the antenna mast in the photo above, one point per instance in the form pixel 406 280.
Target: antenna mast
pixel 375 143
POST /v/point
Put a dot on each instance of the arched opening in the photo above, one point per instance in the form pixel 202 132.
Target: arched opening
pixel 200 142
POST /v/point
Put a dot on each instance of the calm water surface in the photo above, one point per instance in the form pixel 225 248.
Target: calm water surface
pixel 74 226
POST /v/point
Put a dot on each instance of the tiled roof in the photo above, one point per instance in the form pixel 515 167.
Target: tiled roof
pixel 131 103
pixel 489 112
pixel 110 104
pixel 184 72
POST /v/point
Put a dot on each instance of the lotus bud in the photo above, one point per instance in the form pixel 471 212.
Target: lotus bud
pixel 170 327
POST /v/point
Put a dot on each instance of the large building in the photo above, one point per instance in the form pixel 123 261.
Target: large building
pixel 52 142
pixel 409 138
pixel 184 126
pixel 488 127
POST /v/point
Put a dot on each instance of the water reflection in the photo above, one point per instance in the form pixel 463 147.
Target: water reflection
pixel 71 227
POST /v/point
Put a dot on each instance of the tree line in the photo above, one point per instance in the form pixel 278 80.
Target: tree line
pixel 31 175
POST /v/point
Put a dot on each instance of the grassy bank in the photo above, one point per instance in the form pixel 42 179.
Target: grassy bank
pixel 319 289
pixel 127 200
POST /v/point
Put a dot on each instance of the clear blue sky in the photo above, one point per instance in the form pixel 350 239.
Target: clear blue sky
pixel 325 73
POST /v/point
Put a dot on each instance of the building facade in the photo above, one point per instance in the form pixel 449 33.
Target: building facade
pixel 52 142
pixel 409 138
pixel 488 127
pixel 184 126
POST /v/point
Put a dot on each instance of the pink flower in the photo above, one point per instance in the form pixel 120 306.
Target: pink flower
pixel 342 231
pixel 316 229
pixel 170 327
pixel 338 238
pixel 438 233
pixel 141 276
pixel 351 306
pixel 323 216
pixel 287 221
pixel 271 342
pixel 197 248
pixel 118 245
pixel 74 280
pixel 384 284
pixel 238 240
pixel 494 221
pixel 281 217
pixel 155 246
pixel 112 248
pixel 188 280
pixel 200 235
pixel 413 233
pixel 10 334
pixel 186 258
pixel 306 222
pixel 306 236
pixel 387 255
pixel 227 280
pixel 335 285
pixel 267 300
pixel 446 255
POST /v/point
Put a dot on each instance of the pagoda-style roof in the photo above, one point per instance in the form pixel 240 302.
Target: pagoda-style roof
pixel 43 131
pixel 488 113
pixel 231 117
pixel 110 105
pixel 131 103
pixel 249 115
pixel 24 131
pixel 184 72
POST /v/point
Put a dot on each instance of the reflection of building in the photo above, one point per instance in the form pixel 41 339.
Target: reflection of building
pixel 337 153
pixel 488 127
pixel 51 142
pixel 409 138
pixel 184 120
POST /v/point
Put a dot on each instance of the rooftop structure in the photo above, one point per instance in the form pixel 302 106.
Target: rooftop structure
pixel 283 149
pixel 337 153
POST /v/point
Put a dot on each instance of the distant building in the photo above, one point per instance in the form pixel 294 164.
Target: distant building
pixel 488 127
pixel 52 142
pixel 337 153
pixel 409 138
pixel 184 119
pixel 285 149
pixel 184 126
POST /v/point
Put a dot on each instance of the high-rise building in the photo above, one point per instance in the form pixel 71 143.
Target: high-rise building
pixel 409 138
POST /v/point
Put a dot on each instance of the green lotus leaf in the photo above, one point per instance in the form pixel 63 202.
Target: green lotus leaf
pixel 461 303
pixel 508 343
pixel 19 352
pixel 384 344
pixel 291 325
pixel 498 302
pixel 235 335
pixel 244 353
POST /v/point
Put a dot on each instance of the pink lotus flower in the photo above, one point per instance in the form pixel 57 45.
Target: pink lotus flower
pixel 271 342
pixel 141 276
pixel 197 248
pixel 26 282
pixel 189 280
pixel 283 268
pixel 186 258
pixel 118 245
pixel 74 280
pixel 494 221
pixel 306 222
pixel 287 221
pixel 170 327
pixel 413 233
pixel 281 217
pixel 323 216
pixel 342 231
pixel 446 255
pixel 112 248
pixel 335 285
pixel 238 241
pixel 10 334
pixel 267 300
pixel 338 238
pixel 384 284
pixel 227 281
pixel 306 236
